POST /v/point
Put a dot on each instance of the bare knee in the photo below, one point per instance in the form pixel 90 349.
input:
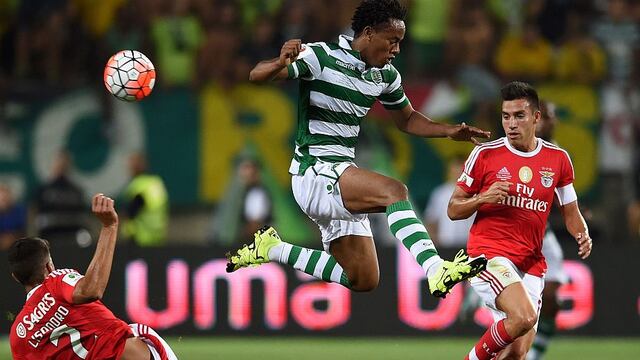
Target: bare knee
pixel 522 322
pixel 363 278
pixel 395 191
pixel 365 283
pixel 357 256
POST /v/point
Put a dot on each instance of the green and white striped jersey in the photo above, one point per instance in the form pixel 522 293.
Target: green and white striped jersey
pixel 336 92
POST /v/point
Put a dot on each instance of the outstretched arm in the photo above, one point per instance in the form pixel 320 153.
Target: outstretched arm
pixel 577 227
pixel 414 122
pixel 91 287
pixel 276 68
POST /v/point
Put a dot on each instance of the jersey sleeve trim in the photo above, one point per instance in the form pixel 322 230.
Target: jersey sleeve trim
pixel 396 105
pixel 393 96
pixel 292 71
pixel 566 194
pixel 466 179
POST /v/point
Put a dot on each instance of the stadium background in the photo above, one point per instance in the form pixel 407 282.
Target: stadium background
pixel 203 115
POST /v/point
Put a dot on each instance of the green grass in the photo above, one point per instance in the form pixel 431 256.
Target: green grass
pixel 293 348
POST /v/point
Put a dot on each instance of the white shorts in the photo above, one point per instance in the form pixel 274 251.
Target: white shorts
pixel 500 273
pixel 317 192
pixel 154 342
pixel 553 255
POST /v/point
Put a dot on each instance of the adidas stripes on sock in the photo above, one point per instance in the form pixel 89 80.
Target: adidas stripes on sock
pixel 494 340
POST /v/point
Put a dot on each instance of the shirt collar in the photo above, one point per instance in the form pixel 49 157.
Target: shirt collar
pixel 32 291
pixel 531 153
pixel 344 41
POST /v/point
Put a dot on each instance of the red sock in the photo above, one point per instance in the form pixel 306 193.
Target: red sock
pixel 491 343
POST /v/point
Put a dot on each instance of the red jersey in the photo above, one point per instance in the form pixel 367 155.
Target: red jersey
pixel 50 326
pixel 515 228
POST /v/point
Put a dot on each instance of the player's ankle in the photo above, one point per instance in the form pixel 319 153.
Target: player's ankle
pixel 432 265
pixel 275 253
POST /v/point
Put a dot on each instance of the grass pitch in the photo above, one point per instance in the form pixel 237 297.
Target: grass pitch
pixel 296 348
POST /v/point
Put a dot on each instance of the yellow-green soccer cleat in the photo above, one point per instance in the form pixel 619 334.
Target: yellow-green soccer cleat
pixel 453 272
pixel 255 253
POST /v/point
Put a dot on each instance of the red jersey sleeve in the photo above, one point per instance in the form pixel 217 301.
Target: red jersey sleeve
pixel 565 192
pixel 62 285
pixel 567 175
pixel 471 178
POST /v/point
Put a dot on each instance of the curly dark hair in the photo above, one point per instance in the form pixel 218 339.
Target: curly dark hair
pixel 376 12
pixel 521 90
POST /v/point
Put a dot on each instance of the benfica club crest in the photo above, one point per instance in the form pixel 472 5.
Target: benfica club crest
pixel 546 178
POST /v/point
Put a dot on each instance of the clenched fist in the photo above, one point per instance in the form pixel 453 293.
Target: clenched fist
pixel 290 51
pixel 102 208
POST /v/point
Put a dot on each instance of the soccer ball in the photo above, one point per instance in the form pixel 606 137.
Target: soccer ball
pixel 129 75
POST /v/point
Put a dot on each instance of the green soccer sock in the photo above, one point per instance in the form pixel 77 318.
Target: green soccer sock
pixel 406 227
pixel 316 263
pixel 546 331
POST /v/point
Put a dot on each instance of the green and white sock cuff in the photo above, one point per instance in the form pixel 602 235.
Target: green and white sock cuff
pixel 280 252
pixel 399 206
pixel 428 265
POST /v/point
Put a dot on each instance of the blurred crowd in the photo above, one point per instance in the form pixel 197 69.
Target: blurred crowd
pixel 193 42
pixel 59 208
pixel 475 44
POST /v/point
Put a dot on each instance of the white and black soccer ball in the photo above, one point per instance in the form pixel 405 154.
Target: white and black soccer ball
pixel 129 75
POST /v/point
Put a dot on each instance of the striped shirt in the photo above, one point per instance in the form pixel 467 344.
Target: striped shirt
pixel 336 92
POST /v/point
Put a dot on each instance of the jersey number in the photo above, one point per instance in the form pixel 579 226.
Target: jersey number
pixel 74 334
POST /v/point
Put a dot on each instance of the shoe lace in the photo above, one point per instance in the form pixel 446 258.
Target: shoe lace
pixel 459 265
pixel 245 252
pixel 460 257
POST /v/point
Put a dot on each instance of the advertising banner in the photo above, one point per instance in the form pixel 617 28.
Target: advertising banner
pixel 186 291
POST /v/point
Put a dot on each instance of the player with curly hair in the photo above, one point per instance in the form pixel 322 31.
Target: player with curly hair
pixel 339 83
